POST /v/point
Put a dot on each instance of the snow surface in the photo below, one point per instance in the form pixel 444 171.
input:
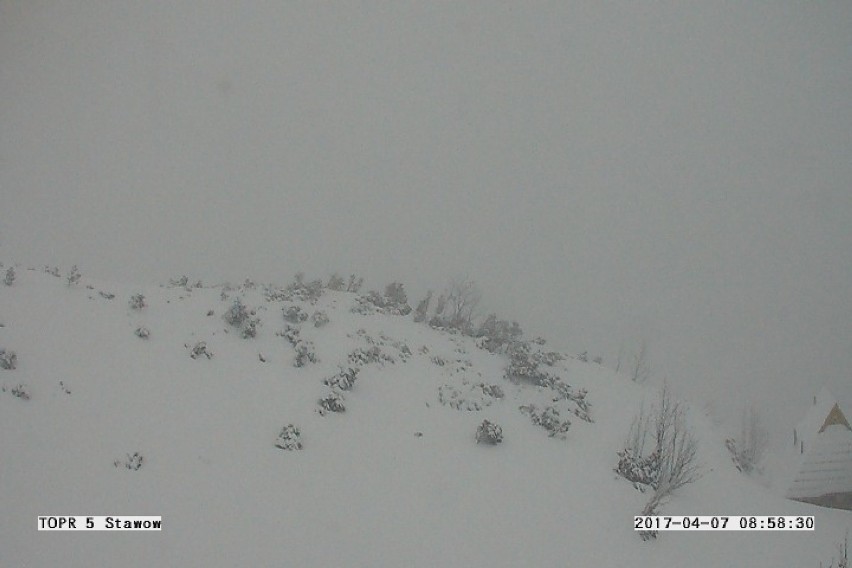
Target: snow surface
pixel 395 480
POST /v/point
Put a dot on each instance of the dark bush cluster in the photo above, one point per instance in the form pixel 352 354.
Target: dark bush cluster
pixel 374 354
pixel 336 283
pixel 289 438
pixel 305 291
pixel 200 350
pixel 523 366
pixel 394 302
pixel 344 380
pixel 489 433
pixel 19 391
pixel 294 315
pixel 237 314
pixel 319 318
pixel 496 335
pixel 331 402
pixel 9 279
pixel 642 471
pixel 8 360
pixel 133 462
pixel 305 352
pixel 548 418
pixel 475 399
pixel 73 276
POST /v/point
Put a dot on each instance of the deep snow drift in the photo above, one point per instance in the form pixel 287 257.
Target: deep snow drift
pixel 398 479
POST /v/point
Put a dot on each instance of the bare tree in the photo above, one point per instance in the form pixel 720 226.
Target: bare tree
pixel 676 449
pixel 641 364
pixel 463 297
pixel 749 449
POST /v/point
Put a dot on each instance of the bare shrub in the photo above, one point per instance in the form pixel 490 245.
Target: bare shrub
pixel 748 450
pixel 842 555
pixel 672 461
pixel 641 370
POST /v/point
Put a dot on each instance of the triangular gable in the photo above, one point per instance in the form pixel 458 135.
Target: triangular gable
pixel 835 417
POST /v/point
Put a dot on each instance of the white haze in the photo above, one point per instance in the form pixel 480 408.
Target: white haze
pixel 608 173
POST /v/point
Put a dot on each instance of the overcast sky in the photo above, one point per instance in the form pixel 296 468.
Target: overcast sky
pixel 679 173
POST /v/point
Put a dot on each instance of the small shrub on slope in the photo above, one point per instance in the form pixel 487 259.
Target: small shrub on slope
pixel 133 462
pixel 489 433
pixel 549 419
pixel 200 350
pixel 331 402
pixel 344 380
pixel 73 276
pixel 8 360
pixel 289 438
pixel 19 391
pixel 319 318
pixel 137 302
pixel 10 277
pixel 294 315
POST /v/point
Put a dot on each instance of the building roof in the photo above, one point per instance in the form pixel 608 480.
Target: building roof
pixel 827 466
pixel 825 435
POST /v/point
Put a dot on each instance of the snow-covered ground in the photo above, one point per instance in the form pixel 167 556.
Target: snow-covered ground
pixel 396 480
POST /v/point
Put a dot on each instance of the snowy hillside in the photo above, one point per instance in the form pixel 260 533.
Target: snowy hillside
pixel 157 405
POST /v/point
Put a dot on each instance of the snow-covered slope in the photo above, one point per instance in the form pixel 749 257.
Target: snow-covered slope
pixel 396 480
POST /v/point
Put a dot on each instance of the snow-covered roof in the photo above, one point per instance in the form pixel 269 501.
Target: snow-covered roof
pixel 826 466
pixel 810 425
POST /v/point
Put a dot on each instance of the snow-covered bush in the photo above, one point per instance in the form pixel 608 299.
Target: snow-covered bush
pixel 142 332
pixel 133 462
pixel 331 402
pixel 344 380
pixel 370 355
pixel 548 418
pixel 179 282
pixel 523 366
pixel 10 277
pixel 8 360
pixel 200 350
pixel 237 314
pixel 19 391
pixel 319 318
pixel 294 314
pixel 497 335
pixel 73 276
pixel 289 438
pixel 304 353
pixel 250 328
pixel 305 291
pixel 494 391
pixel 355 283
pixel 336 283
pixel 671 462
pixel 137 302
pixel 489 433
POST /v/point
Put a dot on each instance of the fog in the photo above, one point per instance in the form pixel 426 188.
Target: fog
pixel 608 173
